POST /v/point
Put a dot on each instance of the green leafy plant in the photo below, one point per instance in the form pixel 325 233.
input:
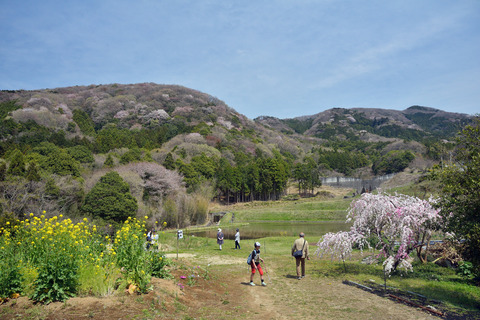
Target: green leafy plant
pixel 157 263
pixel 10 273
pixel 466 270
pixel 57 281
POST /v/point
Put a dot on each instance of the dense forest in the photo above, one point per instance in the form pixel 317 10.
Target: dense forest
pixel 113 151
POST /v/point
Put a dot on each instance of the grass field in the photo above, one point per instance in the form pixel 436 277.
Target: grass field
pixel 308 209
pixel 208 283
pixel 430 280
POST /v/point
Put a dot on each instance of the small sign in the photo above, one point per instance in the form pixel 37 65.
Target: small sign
pixel 180 234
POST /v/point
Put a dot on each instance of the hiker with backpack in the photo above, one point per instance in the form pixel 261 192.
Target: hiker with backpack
pixel 300 253
pixel 254 261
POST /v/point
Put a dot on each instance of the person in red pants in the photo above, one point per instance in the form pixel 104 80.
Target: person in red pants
pixel 255 264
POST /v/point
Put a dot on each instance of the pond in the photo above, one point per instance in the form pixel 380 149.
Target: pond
pixel 312 229
pixel 358 184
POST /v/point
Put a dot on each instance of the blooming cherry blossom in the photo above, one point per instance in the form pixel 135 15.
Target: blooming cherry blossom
pixel 400 224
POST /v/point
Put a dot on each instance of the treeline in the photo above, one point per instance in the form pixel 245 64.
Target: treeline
pixel 70 171
pixel 26 135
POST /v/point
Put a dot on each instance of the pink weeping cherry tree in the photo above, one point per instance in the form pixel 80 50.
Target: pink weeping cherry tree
pixel 400 225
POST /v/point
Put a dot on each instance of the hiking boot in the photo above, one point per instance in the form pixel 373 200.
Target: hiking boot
pixel 264 284
pixel 252 284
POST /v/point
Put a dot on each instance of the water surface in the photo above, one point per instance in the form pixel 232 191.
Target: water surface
pixel 313 230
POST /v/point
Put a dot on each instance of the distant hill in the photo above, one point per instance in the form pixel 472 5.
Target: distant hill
pixel 155 114
pixel 185 122
pixel 174 145
pixel 413 123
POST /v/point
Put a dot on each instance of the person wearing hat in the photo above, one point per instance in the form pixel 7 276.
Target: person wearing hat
pixel 237 239
pixel 220 238
pixel 300 245
pixel 255 264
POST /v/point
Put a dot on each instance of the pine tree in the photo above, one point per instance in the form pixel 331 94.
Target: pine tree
pixel 32 172
pixel 169 163
pixel 110 199
pixel 109 161
pixel 3 170
pixel 17 164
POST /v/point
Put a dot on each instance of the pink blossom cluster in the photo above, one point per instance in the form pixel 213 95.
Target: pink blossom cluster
pixel 399 223
pixel 158 181
pixel 338 245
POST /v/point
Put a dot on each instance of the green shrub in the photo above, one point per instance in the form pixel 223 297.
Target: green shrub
pixel 110 199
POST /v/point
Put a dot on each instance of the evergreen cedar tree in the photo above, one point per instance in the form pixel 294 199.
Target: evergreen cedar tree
pixel 110 199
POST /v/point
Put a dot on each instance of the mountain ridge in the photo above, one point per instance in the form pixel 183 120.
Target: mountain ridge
pixel 176 109
pixel 164 139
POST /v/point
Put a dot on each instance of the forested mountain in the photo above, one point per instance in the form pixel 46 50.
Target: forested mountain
pixel 175 149
pixel 415 123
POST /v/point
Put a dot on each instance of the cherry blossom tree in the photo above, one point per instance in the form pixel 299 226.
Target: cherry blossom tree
pixel 338 245
pixel 399 225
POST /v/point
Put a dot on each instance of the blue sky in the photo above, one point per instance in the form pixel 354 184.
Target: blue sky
pixel 277 58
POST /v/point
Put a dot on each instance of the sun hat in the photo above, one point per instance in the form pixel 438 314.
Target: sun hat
pixel 257 244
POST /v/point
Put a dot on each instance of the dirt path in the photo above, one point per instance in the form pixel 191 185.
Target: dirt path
pixel 285 297
pixel 224 293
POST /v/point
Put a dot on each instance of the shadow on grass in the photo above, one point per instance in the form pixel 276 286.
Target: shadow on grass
pixel 431 281
pixel 337 269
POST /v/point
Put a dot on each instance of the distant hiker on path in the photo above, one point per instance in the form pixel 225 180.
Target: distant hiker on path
pixel 151 238
pixel 255 264
pixel 300 252
pixel 220 238
pixel 237 239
